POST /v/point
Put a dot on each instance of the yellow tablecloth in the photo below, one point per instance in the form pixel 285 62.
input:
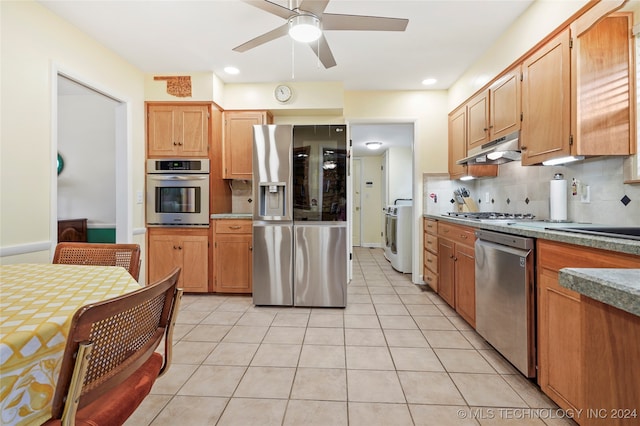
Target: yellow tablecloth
pixel 37 303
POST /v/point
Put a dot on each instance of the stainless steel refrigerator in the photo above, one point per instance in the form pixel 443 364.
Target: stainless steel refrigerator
pixel 300 215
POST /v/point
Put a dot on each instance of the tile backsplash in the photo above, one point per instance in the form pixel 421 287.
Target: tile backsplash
pixel 520 189
pixel 240 196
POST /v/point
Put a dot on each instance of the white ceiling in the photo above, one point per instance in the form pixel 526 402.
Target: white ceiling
pixel 443 38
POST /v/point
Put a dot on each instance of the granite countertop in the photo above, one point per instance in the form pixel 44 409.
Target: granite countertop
pixel 232 216
pixel 616 287
pixel 544 230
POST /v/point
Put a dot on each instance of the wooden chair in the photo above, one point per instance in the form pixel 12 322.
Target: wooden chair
pixel 110 364
pixel 125 255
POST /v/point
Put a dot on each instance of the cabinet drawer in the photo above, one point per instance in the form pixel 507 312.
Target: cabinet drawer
pixel 233 226
pixel 431 279
pixel 431 243
pixel 431 226
pixel 431 261
pixel 459 234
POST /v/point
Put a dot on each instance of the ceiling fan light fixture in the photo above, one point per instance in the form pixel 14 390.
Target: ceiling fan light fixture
pixel 373 145
pixel 304 28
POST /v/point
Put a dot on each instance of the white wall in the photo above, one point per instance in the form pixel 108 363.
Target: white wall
pixel 539 20
pixel 398 168
pixel 35 43
pixel 86 141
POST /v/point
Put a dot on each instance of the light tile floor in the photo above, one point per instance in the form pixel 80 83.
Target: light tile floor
pixel 397 355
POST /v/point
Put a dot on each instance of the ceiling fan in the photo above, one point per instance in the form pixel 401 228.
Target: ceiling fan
pixel 306 21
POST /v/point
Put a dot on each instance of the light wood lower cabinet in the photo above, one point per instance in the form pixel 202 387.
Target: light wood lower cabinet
pixel 185 248
pixel 456 269
pixel 232 256
pixel 588 352
pixel 430 253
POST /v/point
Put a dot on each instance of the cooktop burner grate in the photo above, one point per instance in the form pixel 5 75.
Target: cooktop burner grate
pixel 488 216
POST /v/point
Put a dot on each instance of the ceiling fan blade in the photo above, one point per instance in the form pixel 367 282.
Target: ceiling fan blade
pixel 316 7
pixel 272 8
pixel 332 21
pixel 264 38
pixel 323 52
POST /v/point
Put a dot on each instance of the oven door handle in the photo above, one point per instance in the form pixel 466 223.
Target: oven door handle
pixel 178 178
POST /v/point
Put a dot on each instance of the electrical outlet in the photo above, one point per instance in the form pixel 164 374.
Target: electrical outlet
pixel 585 194
pixel 487 197
pixel 139 197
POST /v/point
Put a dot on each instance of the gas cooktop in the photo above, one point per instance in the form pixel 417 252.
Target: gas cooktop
pixel 492 216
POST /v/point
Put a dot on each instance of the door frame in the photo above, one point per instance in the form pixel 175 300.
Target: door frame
pixel 123 154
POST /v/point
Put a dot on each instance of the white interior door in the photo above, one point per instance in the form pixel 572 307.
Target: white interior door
pixel 356 206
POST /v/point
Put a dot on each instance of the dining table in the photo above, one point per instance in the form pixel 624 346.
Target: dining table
pixel 37 304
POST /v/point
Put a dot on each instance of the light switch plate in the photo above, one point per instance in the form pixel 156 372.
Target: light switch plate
pixel 139 197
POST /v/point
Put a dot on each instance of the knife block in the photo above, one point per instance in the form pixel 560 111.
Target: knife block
pixel 469 205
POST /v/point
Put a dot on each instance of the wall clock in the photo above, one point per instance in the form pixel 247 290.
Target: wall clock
pixel 283 93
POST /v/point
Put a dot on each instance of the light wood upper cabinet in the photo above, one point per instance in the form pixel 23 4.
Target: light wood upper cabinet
pixel 177 130
pixel 457 141
pixel 546 103
pixel 185 248
pixel 495 112
pixel 505 104
pixel 478 121
pixel 237 142
pixel 577 92
pixel 602 87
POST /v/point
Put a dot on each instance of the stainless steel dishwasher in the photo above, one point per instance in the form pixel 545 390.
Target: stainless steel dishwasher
pixel 505 296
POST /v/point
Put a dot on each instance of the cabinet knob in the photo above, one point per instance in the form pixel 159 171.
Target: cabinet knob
pixel 429 261
pixel 180 143
pixel 485 129
pixel 175 143
pixel 464 237
pixel 250 248
pixel 429 279
pixel 523 148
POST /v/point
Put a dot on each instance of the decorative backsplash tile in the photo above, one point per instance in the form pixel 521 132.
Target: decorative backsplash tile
pixel 519 189
pixel 240 196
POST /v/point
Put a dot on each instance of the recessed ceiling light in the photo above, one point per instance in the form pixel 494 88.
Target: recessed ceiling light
pixel 429 81
pixel 232 70
pixel 373 145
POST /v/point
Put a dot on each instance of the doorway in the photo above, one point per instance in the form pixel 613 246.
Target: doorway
pixel 90 136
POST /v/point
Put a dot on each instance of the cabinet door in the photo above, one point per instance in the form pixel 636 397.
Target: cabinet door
pixel 446 270
pixel 546 105
pixel 163 256
pixel 601 75
pixel 505 101
pixel 559 344
pixel 478 116
pixel 194 276
pixel 192 131
pixel 238 143
pixel 161 130
pixel 457 141
pixel 465 287
pixel 233 263
pixel 177 130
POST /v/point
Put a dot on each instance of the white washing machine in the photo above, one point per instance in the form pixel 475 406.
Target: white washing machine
pixel 398 235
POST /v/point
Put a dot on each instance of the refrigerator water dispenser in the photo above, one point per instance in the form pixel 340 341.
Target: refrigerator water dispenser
pixel 272 198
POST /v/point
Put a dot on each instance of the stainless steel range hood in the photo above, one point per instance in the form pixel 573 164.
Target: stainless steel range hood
pixel 498 151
